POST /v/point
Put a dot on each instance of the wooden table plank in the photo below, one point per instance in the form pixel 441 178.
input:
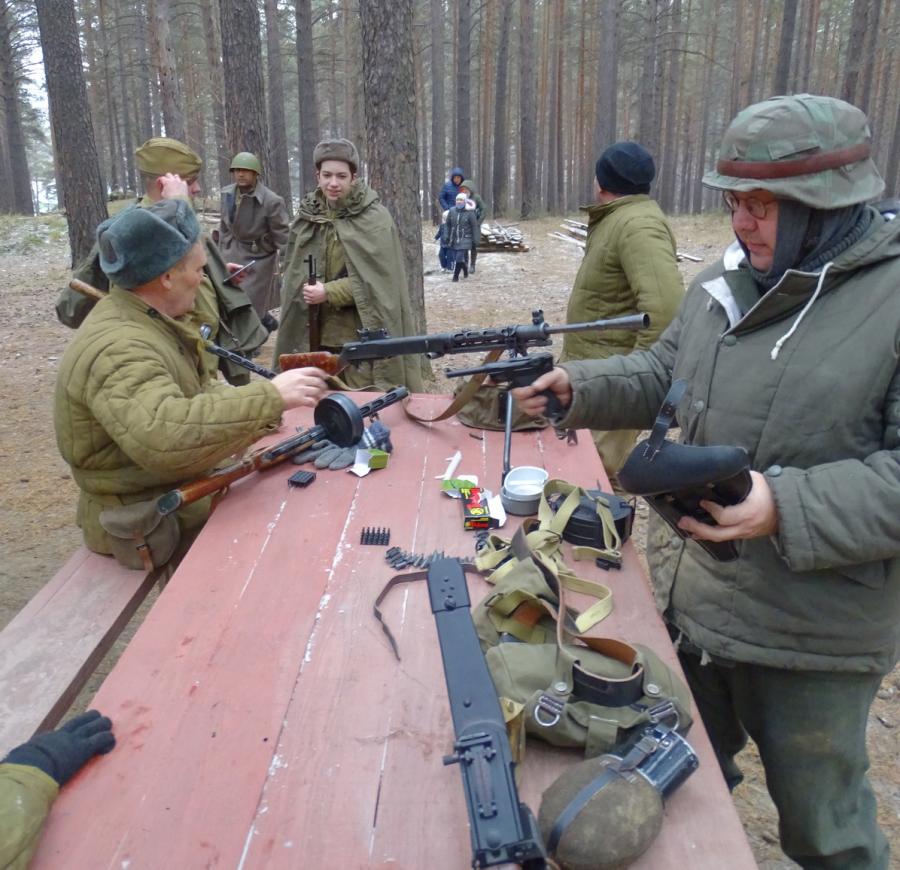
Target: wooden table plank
pixel 263 720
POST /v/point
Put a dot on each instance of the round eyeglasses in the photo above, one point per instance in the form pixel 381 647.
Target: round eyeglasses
pixel 755 207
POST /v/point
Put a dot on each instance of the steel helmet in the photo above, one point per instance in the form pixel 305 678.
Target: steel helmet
pixel 246 160
pixel 812 149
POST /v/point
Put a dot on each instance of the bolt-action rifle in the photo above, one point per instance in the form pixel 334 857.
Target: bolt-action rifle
pixel 337 418
pixel 375 344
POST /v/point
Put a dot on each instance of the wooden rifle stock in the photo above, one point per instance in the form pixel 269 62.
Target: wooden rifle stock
pixel 330 363
pixel 86 289
pixel 194 490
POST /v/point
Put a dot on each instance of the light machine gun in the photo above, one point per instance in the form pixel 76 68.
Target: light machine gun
pixel 502 829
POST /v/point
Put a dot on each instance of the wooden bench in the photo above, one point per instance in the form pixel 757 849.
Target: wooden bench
pixel 52 646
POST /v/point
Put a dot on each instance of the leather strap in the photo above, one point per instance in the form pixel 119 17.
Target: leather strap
pixel 462 398
pixel 665 418
pixel 774 169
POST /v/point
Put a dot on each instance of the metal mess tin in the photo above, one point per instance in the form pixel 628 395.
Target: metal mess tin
pixel 522 488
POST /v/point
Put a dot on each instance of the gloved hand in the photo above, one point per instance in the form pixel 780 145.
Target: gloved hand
pixel 61 753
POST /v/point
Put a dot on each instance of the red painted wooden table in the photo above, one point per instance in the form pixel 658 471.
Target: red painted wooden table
pixel 262 720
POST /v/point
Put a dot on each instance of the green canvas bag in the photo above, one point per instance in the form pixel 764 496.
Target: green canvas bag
pixel 588 695
pixel 554 681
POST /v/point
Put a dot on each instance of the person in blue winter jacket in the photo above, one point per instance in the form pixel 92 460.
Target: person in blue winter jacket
pixel 447 199
pixel 451 188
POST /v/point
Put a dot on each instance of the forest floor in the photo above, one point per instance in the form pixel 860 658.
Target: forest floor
pixel 37 494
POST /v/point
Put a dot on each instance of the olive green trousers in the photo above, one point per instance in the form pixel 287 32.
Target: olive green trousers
pixel 810 728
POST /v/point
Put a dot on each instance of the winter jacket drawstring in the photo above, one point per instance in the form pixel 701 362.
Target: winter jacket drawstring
pixel 802 314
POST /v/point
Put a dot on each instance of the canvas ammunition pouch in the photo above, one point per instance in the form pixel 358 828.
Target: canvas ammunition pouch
pixel 140 537
pixel 554 681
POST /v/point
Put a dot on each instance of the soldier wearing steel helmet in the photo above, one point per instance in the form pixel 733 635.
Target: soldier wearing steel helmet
pixel 171 169
pixel 253 226
pixel 790 348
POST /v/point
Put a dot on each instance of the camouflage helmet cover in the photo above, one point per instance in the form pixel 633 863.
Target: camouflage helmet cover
pixel 812 149
pixel 246 160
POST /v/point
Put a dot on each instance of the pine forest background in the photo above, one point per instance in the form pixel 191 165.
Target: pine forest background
pixel 524 94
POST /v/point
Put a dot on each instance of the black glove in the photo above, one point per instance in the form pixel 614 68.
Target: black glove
pixel 61 753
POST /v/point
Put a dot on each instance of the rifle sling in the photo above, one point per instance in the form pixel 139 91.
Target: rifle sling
pixel 462 398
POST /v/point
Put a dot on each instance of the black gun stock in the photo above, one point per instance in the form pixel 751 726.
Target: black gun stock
pixel 503 829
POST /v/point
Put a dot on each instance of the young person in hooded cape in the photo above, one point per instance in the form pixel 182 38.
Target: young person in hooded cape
pixel 360 272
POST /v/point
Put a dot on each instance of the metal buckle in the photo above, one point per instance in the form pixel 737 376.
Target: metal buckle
pixel 665 710
pixel 552 706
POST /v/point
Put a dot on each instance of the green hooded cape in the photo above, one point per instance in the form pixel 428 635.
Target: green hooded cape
pixel 373 257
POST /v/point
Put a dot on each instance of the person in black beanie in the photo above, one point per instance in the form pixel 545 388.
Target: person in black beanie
pixel 629 266
pixel 32 774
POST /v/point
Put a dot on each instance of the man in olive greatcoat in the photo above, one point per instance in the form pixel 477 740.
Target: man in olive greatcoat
pixel 253 226
pixel 221 304
pixel 629 266
pixel 789 346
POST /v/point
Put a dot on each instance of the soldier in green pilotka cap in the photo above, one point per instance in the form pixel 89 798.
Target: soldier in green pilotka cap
pixel 360 272
pixel 789 346
pixel 222 305
pixel 253 226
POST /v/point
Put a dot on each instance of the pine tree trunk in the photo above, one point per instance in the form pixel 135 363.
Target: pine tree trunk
pixel 279 176
pixel 392 144
pixel 605 129
pixel 19 178
pixel 245 107
pixel 854 53
pixel 487 78
pixel 309 109
pixel 462 78
pixel 122 42
pixel 867 69
pixel 438 113
pixel 500 187
pixel 527 102
pixel 213 44
pixel 782 70
pixel 144 103
pixel 668 156
pixel 164 61
pixel 76 153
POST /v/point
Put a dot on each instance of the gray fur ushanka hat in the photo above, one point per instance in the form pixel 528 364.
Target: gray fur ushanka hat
pixel 139 244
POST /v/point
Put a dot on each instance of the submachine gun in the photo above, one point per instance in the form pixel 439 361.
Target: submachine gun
pixel 503 830
pixel 337 418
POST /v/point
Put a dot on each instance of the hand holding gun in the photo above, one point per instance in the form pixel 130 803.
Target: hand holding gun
pixel 521 371
pixel 311 295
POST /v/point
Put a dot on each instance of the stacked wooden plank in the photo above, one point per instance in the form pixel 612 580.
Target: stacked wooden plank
pixel 499 239
pixel 576 232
